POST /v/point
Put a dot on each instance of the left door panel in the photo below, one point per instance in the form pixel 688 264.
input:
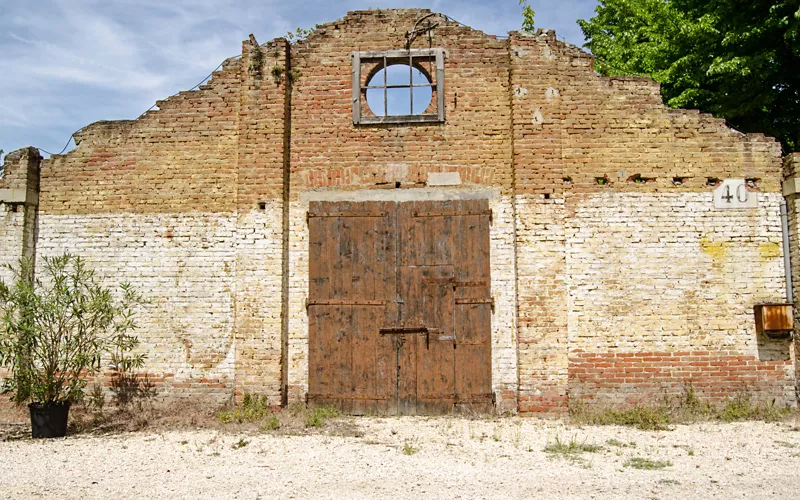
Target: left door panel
pixel 351 295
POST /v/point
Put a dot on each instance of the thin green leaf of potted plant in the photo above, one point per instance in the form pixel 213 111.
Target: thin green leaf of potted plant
pixel 56 328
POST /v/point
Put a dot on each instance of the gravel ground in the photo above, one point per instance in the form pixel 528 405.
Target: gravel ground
pixel 412 457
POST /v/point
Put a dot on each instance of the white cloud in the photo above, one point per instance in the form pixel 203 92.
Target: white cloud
pixel 67 63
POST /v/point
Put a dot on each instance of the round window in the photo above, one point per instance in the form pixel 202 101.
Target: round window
pixel 399 89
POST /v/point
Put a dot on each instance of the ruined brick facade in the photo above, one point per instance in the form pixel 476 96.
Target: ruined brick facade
pixel 615 279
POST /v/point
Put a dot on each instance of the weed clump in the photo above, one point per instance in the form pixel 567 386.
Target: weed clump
pixel 409 449
pixel 686 409
pixel 572 447
pixel 318 416
pixel 741 408
pixel 252 408
pixel 647 464
pixel 647 418
pixel 271 424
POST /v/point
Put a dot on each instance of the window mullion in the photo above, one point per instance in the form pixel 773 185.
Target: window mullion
pixel 410 84
pixel 385 88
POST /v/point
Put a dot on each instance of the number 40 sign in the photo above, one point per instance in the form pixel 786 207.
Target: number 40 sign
pixel 733 193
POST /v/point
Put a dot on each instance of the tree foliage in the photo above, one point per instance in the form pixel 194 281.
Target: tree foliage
pixel 737 59
pixel 57 329
pixel 527 17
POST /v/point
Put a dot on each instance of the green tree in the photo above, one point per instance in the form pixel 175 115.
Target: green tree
pixel 527 17
pixel 737 59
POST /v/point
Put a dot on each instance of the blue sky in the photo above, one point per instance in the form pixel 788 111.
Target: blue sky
pixel 67 63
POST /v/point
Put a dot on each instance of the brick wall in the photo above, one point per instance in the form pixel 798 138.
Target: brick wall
pixel 615 279
pixel 622 253
pixel 19 185
pixel 186 204
pixel 791 171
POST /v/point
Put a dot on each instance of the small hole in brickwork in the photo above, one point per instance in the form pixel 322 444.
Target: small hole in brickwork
pixel 262 206
pixel 397 184
pixel 753 182
pixel 712 181
pixel 601 180
pixel 14 207
pixel 638 179
pixel 547 196
pixel 567 180
pixel 678 181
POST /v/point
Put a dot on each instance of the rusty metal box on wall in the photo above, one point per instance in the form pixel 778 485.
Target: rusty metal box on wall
pixel 774 320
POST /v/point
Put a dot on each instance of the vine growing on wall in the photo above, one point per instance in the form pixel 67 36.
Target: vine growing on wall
pixel 256 61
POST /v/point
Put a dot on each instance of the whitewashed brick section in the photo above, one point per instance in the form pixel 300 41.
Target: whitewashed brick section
pixel 542 303
pixel 298 293
pixel 184 264
pixel 258 302
pixel 649 272
pixel 11 237
pixel 504 291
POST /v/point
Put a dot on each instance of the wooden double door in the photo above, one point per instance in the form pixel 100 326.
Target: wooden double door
pixel 400 306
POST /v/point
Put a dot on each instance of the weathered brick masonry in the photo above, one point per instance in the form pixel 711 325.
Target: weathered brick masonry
pixel 615 279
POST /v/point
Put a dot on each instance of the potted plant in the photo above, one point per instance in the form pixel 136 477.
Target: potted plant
pixel 57 328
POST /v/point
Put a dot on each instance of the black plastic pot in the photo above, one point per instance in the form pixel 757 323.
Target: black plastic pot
pixel 49 420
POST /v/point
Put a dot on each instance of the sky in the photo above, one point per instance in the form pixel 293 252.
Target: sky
pixel 67 63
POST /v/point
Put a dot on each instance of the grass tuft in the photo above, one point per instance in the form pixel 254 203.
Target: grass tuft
pixel 647 464
pixel 271 424
pixel 648 418
pixel 741 408
pixel 686 409
pixel 409 449
pixel 252 408
pixel 573 447
pixel 318 416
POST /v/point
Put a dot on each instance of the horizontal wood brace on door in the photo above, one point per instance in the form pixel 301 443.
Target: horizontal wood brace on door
pixel 348 395
pixel 408 330
pixel 476 301
pixel 453 213
pixel 457 284
pixel 344 302
pixel 309 215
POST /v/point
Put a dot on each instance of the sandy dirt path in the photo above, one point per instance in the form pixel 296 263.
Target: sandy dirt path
pixel 413 457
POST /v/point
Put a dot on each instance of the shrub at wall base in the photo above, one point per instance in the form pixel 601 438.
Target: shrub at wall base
pixel 57 328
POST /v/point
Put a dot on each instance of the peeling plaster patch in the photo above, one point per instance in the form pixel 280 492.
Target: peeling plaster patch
pixel 520 52
pixel 538 119
pixel 548 54
pixel 397 172
pixel 520 92
pixel 551 93
pixel 444 178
